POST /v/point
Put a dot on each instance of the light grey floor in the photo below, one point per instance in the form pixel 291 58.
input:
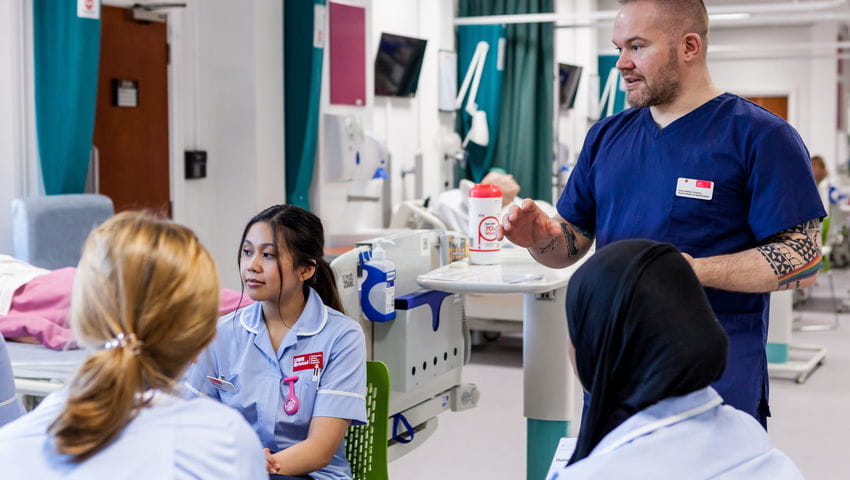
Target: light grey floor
pixel 810 421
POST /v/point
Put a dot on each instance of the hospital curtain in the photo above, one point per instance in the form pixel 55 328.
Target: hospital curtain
pixel 524 145
pixel 488 98
pixel 67 52
pixel 303 50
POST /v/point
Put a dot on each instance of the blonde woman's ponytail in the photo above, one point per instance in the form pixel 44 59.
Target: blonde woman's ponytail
pixel 145 301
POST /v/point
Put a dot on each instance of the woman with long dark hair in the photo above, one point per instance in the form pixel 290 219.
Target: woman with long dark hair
pixel 292 363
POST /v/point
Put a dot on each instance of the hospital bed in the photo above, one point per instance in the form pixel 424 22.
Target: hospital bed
pixel 40 371
pixel 424 347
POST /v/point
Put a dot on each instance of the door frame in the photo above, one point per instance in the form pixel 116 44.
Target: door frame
pixel 30 182
pixel 27 162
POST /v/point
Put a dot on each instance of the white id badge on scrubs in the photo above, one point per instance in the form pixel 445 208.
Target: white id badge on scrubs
pixel 222 384
pixel 693 188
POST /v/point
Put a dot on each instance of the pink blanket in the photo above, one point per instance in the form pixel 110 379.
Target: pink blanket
pixel 39 312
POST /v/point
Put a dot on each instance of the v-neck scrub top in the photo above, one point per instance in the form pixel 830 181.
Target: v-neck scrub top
pixel 636 180
pixel 242 356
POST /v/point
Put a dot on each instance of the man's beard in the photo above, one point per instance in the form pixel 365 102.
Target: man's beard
pixel 662 90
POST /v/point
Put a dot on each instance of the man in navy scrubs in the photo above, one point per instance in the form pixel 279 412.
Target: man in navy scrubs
pixel 721 178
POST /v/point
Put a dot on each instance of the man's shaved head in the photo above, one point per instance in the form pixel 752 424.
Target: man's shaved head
pixel 680 16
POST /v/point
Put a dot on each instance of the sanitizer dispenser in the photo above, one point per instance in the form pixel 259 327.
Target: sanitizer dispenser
pixel 377 294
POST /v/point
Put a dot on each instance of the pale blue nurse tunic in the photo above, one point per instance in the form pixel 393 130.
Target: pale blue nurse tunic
pixel 246 374
pixel 10 407
pixel 172 438
pixel 719 443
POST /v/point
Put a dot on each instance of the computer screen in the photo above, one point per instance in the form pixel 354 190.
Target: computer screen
pixel 568 76
pixel 397 65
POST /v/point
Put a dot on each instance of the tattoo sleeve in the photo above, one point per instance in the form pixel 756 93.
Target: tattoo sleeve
pixel 582 231
pixel 570 238
pixel 549 246
pixel 793 254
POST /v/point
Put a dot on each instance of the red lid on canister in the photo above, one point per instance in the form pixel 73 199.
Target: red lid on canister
pixel 484 190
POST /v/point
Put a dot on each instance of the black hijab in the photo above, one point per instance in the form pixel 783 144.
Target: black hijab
pixel 643 330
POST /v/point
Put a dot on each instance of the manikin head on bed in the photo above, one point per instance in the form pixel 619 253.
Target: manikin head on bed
pixel 145 300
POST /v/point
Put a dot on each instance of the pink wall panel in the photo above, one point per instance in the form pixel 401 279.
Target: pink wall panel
pixel 347 54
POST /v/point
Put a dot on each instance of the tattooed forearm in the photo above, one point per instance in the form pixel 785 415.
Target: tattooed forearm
pixel 570 238
pixel 581 231
pixel 549 246
pixel 793 254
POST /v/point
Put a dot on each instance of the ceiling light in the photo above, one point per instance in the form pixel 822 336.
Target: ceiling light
pixel 729 16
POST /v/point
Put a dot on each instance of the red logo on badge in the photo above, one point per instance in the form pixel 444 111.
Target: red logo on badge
pixel 308 361
pixel 703 184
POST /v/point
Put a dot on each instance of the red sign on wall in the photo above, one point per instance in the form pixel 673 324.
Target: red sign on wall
pixel 347 54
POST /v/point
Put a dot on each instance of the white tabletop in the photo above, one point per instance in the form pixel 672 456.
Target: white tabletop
pixel 517 272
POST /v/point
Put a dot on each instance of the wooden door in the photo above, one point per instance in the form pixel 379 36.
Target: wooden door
pixel 132 141
pixel 776 105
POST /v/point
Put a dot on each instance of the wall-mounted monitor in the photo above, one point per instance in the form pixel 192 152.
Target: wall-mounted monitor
pixel 397 65
pixel 568 77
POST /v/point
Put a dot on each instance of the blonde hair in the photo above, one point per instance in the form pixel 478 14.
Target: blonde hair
pixel 150 283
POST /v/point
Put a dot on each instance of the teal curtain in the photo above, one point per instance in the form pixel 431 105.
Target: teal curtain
pixel 524 146
pixel 302 95
pixel 489 97
pixel 605 63
pixel 67 52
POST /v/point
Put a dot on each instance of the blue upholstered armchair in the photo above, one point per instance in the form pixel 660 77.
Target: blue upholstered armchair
pixel 49 231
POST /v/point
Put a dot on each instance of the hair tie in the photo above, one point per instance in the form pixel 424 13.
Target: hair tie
pixel 128 341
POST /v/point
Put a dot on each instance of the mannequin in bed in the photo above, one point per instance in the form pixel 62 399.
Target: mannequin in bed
pixel 34 303
pixel 452 206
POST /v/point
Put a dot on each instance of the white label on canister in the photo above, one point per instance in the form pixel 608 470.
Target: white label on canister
pixel 484 224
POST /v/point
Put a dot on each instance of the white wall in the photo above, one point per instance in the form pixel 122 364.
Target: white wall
pixel 576 46
pixel 809 82
pixel 9 171
pixel 19 171
pixel 407 126
pixel 411 125
pixel 238 120
pixel 328 199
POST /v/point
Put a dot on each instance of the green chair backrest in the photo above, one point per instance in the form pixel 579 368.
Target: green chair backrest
pixel 366 445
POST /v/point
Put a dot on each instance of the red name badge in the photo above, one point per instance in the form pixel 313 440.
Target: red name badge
pixel 308 361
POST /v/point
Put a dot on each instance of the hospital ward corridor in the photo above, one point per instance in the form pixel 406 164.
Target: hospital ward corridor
pixel 425 239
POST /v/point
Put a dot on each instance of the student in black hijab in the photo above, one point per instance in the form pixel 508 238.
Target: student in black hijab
pixel 647 347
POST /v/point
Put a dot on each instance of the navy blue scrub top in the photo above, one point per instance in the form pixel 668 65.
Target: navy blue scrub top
pixel 625 186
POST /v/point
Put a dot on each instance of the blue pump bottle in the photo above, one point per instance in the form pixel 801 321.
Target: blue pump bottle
pixel 377 293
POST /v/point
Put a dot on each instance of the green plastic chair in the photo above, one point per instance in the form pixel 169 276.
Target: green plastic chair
pixel 366 445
